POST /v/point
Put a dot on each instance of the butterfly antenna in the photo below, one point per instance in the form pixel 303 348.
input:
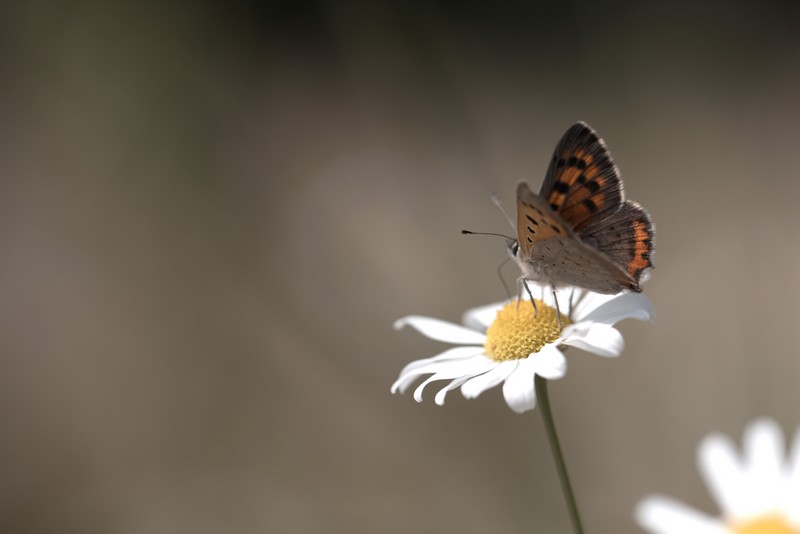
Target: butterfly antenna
pixel 499 204
pixel 469 232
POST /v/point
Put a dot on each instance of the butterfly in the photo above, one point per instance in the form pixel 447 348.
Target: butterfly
pixel 579 230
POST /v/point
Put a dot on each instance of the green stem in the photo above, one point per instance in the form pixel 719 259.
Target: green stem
pixel 547 416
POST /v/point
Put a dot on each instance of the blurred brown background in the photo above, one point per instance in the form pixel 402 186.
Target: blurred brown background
pixel 210 216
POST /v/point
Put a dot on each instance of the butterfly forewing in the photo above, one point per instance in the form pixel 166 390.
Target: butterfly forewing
pixel 536 222
pixel 582 182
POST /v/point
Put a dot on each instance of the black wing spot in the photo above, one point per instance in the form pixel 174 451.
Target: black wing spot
pixel 561 187
pixel 581 179
pixel 590 205
pixel 554 206
pixel 529 239
pixel 572 162
pixel 531 230
pixel 561 162
pixel 581 164
pixel 531 219
pixel 555 228
pixel 592 186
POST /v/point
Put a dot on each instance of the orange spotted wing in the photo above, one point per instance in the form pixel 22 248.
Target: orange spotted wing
pixel 579 230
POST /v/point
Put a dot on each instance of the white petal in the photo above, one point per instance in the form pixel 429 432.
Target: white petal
pixel 763 447
pixel 518 388
pixel 431 366
pixel 624 306
pixel 568 299
pixel 588 301
pixel 663 515
pixel 441 330
pixel 794 457
pixel 792 496
pixel 478 384
pixel 480 318
pixel 722 471
pixel 601 339
pixel 763 465
pixel 452 369
pixel 477 371
pixel 453 353
pixel 549 362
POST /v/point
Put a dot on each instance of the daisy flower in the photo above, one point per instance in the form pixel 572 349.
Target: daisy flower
pixel 757 492
pixel 508 343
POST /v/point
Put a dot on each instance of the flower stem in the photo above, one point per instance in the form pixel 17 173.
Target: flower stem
pixel 558 456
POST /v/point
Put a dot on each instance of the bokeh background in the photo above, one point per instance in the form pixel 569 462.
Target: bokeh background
pixel 211 214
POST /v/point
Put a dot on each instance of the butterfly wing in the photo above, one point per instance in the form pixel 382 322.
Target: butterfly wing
pixel 582 183
pixel 536 222
pixel 583 186
pixel 626 237
pixel 566 261
pixel 550 252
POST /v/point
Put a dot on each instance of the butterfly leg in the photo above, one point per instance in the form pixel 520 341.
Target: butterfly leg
pixel 571 303
pixel 521 281
pixel 558 311
pixel 533 301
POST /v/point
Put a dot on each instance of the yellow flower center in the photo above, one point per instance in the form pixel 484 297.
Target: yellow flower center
pixel 517 332
pixel 764 525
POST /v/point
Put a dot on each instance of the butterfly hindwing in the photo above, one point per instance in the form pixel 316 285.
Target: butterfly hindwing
pixel 582 183
pixel 567 261
pixel 626 237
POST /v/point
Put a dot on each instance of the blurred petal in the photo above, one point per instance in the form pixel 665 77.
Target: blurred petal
pixel 601 339
pixel 663 515
pixel 722 471
pixel 763 454
pixel 792 496
pixel 441 330
pixel 518 388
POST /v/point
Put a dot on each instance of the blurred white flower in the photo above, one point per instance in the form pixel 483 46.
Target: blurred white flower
pixel 757 492
pixel 508 343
